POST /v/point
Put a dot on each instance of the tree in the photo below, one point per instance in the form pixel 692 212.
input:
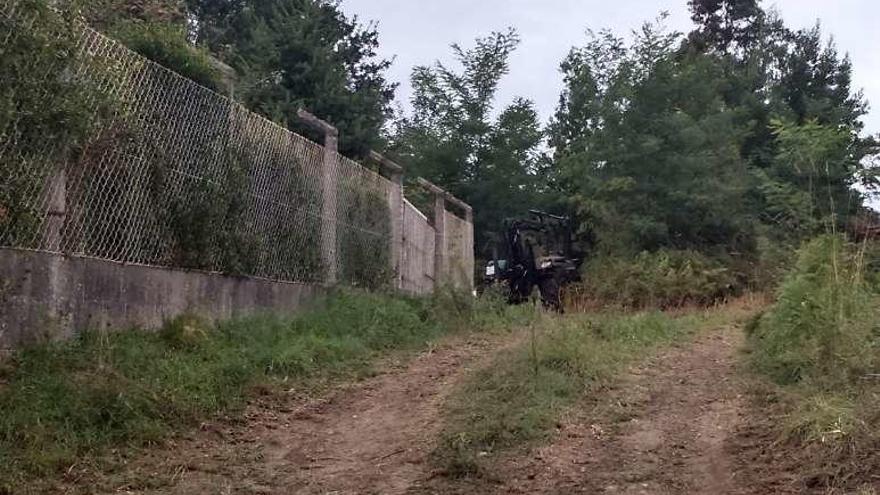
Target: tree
pixel 725 25
pixel 648 147
pixel 452 138
pixel 778 75
pixel 301 53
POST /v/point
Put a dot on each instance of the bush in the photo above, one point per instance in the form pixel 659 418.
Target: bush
pixel 46 116
pixel 824 327
pixel 821 344
pixel 661 279
pixel 167 45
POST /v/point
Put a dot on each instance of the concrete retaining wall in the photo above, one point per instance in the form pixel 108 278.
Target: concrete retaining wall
pixel 45 296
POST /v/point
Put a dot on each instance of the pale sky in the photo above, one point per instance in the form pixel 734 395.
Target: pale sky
pixel 419 32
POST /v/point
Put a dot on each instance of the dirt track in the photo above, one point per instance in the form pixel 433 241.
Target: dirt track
pixel 664 429
pixel 372 437
pixel 668 427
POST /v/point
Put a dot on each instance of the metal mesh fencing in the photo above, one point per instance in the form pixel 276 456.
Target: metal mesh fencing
pixel 161 171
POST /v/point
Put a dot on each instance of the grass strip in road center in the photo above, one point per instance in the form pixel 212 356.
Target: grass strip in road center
pixel 522 394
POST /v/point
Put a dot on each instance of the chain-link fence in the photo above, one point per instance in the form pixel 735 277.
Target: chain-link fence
pixel 106 154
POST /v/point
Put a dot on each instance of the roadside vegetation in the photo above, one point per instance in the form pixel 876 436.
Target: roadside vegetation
pixel 521 396
pixel 820 346
pixel 69 403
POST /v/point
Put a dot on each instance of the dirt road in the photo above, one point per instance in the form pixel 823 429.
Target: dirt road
pixel 678 423
pixel 664 429
pixel 667 427
pixel 369 438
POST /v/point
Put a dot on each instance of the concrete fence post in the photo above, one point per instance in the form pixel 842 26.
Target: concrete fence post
pixel 329 188
pixel 469 218
pixel 395 205
pixel 440 254
pixel 439 224
pixel 56 211
pixel 442 270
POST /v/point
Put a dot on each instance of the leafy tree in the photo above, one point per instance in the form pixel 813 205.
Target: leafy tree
pixel 301 53
pixel 727 141
pixel 810 187
pixel 725 25
pixel 452 138
pixel 649 148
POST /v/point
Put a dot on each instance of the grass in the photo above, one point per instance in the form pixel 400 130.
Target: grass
pixel 72 402
pixel 818 348
pixel 662 279
pixel 519 398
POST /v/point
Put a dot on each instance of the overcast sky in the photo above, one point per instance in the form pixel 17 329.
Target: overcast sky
pixel 419 32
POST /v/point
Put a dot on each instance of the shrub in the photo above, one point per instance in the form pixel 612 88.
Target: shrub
pixel 661 279
pixel 824 326
pixel 821 343
pixel 166 44
pixel 46 113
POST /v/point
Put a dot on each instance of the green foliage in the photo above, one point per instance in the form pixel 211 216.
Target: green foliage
pixel 68 402
pixel 206 218
pixel 106 15
pixel 46 114
pixel 742 136
pixel 650 148
pixel 187 331
pixel 452 138
pixel 823 329
pixel 167 46
pixel 820 344
pixel 810 187
pixel 293 54
pixel 521 395
pixel 663 279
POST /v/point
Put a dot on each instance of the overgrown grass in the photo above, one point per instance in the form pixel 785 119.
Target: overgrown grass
pixel 70 402
pixel 167 46
pixel 820 344
pixel 824 326
pixel 662 279
pixel 519 398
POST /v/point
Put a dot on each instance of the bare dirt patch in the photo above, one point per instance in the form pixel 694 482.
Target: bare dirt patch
pixel 370 437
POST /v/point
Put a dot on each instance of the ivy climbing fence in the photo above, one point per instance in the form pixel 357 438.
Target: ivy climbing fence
pixel 106 154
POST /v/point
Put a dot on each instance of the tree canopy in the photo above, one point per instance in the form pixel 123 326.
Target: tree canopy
pixel 301 53
pixel 454 138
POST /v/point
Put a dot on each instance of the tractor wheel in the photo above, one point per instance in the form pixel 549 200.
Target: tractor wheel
pixel 520 290
pixel 550 294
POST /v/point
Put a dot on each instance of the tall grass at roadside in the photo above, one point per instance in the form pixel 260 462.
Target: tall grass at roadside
pixel 521 395
pixel 820 344
pixel 662 279
pixel 824 327
pixel 69 402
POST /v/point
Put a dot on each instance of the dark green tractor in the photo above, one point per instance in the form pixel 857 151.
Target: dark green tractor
pixel 535 251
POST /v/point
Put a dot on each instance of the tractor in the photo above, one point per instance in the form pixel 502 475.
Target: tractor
pixel 535 251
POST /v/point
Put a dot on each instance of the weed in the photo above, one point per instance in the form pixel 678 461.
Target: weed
pixel 823 327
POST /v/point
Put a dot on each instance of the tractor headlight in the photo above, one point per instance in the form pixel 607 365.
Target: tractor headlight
pixel 546 264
